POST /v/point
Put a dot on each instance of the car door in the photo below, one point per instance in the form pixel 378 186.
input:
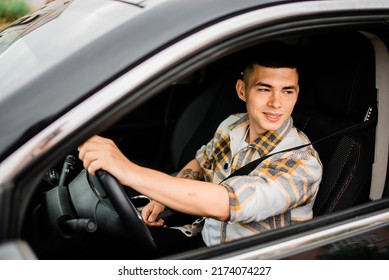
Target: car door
pixel 176 61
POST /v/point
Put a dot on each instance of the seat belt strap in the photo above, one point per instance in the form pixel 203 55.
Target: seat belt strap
pixel 246 169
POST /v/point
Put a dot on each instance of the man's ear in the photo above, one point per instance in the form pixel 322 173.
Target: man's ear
pixel 240 90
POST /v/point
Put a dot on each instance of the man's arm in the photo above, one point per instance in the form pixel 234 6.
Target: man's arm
pixel 151 211
pixel 187 196
pixel 192 171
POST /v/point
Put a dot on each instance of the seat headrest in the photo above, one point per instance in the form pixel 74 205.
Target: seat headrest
pixel 344 73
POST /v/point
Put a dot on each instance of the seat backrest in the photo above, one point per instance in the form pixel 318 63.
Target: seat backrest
pixel 199 121
pixel 341 89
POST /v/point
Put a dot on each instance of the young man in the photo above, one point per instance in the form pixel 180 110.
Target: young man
pixel 279 192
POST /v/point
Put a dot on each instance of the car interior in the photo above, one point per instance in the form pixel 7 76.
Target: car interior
pixel 337 91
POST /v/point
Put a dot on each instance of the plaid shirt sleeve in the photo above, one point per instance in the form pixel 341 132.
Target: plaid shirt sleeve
pixel 279 184
pixel 215 151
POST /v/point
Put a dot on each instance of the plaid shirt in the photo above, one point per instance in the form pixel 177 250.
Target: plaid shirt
pixel 279 192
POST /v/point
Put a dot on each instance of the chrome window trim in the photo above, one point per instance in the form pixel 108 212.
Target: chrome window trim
pixel 315 240
pixel 119 88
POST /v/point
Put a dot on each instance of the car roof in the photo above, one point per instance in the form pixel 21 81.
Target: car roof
pixel 63 59
pixel 80 46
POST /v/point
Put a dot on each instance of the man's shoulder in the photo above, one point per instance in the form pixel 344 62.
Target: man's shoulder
pixel 294 138
pixel 233 121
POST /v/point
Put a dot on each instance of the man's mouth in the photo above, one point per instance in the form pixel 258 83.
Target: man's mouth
pixel 272 116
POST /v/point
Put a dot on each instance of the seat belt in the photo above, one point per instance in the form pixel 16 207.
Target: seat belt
pixel 246 169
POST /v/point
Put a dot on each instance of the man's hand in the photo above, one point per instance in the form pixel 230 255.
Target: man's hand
pixel 102 153
pixel 150 213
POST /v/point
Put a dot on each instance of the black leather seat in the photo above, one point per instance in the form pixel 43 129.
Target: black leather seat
pixel 339 95
pixel 200 120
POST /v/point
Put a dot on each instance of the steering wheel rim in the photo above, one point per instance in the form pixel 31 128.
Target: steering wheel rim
pixel 130 217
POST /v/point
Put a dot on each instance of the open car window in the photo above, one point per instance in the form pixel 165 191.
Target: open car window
pixel 161 111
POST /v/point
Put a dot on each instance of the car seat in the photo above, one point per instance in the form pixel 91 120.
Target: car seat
pixel 340 92
pixel 198 123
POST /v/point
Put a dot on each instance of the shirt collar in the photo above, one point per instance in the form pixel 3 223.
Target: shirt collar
pixel 266 142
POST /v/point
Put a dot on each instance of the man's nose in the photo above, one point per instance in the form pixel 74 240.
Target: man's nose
pixel 275 100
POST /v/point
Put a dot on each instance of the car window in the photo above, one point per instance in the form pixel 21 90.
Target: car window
pixel 165 132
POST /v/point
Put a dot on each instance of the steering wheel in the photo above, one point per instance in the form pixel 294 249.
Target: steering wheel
pixel 127 212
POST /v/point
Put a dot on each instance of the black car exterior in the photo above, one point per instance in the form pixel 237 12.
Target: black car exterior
pixel 76 68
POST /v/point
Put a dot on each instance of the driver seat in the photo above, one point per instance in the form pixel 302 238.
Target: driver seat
pixel 340 93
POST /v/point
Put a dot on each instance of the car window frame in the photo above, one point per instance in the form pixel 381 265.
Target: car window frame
pixel 178 59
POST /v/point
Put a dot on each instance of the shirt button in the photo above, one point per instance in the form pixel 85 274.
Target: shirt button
pixel 225 166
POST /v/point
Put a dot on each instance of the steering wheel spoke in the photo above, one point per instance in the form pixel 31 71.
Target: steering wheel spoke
pixel 126 210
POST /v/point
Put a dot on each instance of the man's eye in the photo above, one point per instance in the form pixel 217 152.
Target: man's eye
pixel 263 90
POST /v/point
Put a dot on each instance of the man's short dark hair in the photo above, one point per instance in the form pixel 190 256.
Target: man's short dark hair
pixel 273 54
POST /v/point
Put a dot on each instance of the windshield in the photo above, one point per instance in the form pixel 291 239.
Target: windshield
pixel 30 22
pixel 39 41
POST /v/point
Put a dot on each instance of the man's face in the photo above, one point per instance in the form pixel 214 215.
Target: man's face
pixel 270 95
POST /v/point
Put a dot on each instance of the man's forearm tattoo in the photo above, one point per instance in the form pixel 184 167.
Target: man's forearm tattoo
pixel 190 174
